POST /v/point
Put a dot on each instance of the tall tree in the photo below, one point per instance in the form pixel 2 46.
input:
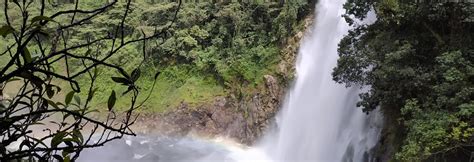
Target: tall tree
pixel 417 59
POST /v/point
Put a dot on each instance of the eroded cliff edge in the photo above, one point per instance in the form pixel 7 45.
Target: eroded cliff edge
pixel 242 116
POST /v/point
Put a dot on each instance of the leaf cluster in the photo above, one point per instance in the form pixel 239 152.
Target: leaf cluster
pixel 417 59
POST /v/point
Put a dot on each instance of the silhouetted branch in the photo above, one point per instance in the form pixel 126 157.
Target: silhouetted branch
pixel 33 103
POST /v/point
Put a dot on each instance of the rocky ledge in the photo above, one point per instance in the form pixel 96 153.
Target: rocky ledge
pixel 243 121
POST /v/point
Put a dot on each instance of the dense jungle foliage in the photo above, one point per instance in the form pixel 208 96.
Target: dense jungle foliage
pixel 213 49
pixel 78 69
pixel 418 60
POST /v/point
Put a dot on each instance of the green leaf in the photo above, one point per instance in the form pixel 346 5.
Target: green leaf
pixel 135 74
pixel 60 104
pixel 69 141
pixel 57 139
pixel 77 134
pixel 75 86
pixel 96 72
pixel 49 91
pixel 66 152
pixel 124 81
pixel 112 100
pixel 68 98
pixel 29 76
pixel 5 30
pixel 58 89
pixel 27 55
pixel 67 159
pixel 77 99
pixel 40 18
pixel 52 104
pixel 124 74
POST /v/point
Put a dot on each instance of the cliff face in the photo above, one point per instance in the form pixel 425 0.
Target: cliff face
pixel 241 120
pixel 390 137
pixel 243 117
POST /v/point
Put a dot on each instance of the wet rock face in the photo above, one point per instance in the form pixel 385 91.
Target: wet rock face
pixel 243 120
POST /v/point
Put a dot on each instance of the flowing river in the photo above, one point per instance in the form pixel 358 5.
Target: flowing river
pixel 319 121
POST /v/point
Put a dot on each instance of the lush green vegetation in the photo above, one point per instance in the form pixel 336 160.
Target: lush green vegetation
pixel 211 50
pixel 65 60
pixel 418 60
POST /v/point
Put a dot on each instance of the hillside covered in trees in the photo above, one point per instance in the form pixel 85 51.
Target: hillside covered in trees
pixel 222 67
pixel 211 50
pixel 418 60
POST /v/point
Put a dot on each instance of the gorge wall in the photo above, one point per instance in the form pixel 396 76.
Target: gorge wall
pixel 242 116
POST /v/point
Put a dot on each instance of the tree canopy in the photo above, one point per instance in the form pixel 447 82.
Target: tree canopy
pixel 417 60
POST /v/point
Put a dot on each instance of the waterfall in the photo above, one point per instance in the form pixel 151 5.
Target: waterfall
pixel 319 120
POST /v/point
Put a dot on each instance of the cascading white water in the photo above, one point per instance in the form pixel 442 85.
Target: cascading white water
pixel 320 120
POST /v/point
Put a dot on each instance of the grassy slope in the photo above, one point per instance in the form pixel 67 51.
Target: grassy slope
pixel 180 85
